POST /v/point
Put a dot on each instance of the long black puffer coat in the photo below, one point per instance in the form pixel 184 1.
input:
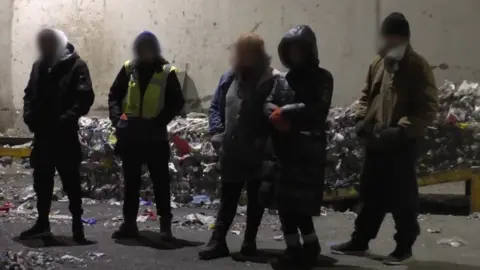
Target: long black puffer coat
pixel 301 151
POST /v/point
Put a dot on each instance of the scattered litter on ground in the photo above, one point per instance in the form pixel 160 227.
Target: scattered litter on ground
pixel 453 242
pixel 434 231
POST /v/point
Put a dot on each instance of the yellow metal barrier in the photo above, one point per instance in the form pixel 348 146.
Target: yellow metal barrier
pixel 14 152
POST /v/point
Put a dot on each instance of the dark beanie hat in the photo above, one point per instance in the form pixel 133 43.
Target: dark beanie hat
pixel 396 24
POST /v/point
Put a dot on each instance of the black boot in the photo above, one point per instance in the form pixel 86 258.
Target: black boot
pixel 400 256
pixel 166 229
pixel 291 259
pixel 249 247
pixel 39 230
pixel 352 247
pixel 77 231
pixel 126 231
pixel 310 254
pixel 216 247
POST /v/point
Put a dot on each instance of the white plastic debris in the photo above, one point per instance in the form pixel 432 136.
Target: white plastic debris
pixel 453 242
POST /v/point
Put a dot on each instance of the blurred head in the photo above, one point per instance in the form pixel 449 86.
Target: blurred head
pixel 296 55
pixel 147 48
pixel 395 32
pixel 48 44
pixel 249 53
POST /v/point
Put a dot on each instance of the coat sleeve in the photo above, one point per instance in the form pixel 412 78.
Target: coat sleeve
pixel 174 100
pixel 217 107
pixel 303 115
pixel 361 107
pixel 29 102
pixel 84 95
pixel 117 93
pixel 424 103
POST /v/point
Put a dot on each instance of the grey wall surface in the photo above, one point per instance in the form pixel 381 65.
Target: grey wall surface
pixel 7 110
pixel 197 35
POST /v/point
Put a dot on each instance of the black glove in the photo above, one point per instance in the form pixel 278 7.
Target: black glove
pixel 360 129
pixel 392 134
pixel 217 141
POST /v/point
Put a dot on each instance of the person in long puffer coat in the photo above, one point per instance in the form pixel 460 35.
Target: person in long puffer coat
pixel 298 117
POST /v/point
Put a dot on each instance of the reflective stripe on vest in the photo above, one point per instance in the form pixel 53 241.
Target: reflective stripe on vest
pixel 154 97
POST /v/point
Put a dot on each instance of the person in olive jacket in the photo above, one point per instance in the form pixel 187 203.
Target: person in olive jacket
pixel 398 102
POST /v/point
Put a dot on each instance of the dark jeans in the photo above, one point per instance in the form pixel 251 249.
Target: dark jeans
pixel 292 222
pixel 230 195
pixel 388 184
pixel 43 181
pixel 156 156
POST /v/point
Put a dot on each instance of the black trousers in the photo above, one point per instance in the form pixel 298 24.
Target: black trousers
pixel 293 222
pixel 388 184
pixel 156 156
pixel 230 195
pixel 44 160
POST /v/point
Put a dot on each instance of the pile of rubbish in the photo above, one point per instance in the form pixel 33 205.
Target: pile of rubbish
pixel 452 141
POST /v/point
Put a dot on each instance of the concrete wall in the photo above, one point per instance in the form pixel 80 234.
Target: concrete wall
pixel 196 35
pixel 6 91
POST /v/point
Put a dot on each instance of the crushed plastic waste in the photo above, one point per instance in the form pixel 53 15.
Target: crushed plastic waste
pixel 452 141
pixel 452 242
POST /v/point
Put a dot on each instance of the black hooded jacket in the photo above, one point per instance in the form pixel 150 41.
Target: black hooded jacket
pixel 301 151
pixel 56 97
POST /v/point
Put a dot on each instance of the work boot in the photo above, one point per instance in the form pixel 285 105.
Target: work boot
pixel 291 259
pixel 249 248
pixel 352 247
pixel 310 254
pixel 399 256
pixel 166 229
pixel 216 247
pixel 126 231
pixel 77 231
pixel 39 230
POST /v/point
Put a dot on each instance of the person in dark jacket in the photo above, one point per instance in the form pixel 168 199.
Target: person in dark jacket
pixel 398 102
pixel 58 93
pixel 242 142
pixel 145 96
pixel 298 117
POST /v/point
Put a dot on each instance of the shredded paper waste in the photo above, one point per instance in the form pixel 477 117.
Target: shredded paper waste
pixel 452 141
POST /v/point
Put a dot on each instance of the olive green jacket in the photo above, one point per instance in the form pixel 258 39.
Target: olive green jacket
pixel 407 97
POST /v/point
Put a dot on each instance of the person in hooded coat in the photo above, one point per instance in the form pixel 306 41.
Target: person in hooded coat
pixel 58 93
pixel 145 96
pixel 397 104
pixel 241 140
pixel 298 117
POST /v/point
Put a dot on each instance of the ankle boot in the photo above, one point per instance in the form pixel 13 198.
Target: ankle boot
pixel 78 231
pixel 216 247
pixel 166 228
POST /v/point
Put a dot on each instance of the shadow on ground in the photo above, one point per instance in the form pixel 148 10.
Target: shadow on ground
pixel 265 256
pixel 153 240
pixel 425 265
pixel 52 241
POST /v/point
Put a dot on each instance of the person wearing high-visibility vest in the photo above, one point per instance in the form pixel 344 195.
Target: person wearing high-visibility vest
pixel 145 96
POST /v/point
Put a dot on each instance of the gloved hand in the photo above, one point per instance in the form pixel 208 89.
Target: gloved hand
pixel 278 121
pixel 265 194
pixel 217 141
pixel 392 134
pixel 360 129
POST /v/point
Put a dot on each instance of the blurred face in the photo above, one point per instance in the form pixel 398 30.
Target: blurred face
pixel 390 42
pixel 296 56
pixel 146 53
pixel 47 45
pixel 246 57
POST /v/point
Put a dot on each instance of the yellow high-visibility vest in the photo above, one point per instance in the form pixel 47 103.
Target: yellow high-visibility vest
pixel 154 97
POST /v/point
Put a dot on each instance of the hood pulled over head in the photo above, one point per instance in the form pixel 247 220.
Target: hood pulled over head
pixel 64 49
pixel 149 39
pixel 301 36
